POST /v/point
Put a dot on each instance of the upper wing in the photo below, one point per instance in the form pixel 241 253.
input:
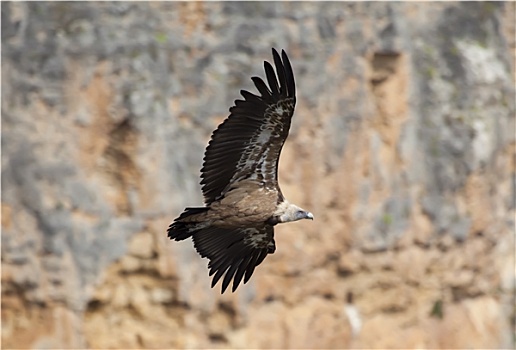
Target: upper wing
pixel 248 143
pixel 234 252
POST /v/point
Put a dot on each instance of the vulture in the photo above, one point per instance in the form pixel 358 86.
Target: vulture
pixel 239 178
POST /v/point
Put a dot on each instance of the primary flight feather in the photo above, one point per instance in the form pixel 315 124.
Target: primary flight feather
pixel 243 201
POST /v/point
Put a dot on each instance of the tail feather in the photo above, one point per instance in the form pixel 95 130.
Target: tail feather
pixel 179 229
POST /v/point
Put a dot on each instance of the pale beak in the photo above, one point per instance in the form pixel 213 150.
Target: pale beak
pixel 309 215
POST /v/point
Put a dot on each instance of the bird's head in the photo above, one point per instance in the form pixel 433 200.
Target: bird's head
pixel 293 213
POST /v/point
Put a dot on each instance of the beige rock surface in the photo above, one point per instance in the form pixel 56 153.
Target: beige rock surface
pixel 402 146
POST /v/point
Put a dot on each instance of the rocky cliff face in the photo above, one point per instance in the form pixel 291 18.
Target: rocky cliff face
pixel 402 146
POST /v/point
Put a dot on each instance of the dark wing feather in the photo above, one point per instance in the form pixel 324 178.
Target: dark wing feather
pixel 234 252
pixel 248 143
pixel 265 92
pixel 271 78
pixel 281 72
pixel 289 74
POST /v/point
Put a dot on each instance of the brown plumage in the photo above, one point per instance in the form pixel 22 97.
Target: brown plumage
pixel 235 230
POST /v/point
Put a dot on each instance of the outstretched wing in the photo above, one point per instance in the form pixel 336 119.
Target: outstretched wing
pixel 234 253
pixel 248 143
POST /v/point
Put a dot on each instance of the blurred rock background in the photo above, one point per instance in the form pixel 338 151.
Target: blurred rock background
pixel 402 146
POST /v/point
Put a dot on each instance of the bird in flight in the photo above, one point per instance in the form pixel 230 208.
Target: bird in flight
pixel 243 200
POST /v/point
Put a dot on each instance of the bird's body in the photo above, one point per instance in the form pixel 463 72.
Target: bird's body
pixel 247 204
pixel 235 230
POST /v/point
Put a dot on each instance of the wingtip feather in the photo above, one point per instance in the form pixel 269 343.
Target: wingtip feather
pixel 289 74
pixel 271 79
